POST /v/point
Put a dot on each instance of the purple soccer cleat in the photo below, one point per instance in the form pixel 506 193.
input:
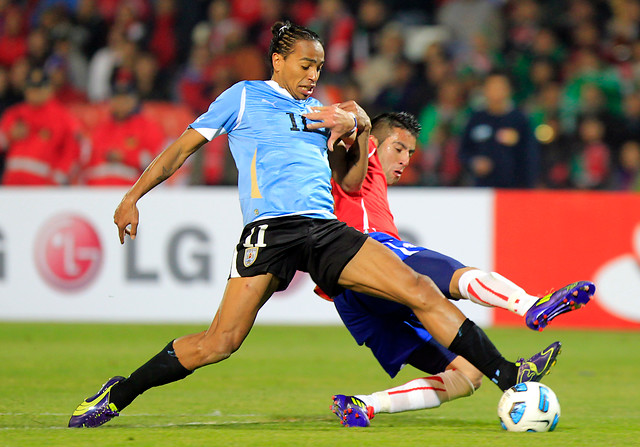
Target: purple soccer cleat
pixel 96 410
pixel 351 411
pixel 569 298
pixel 538 365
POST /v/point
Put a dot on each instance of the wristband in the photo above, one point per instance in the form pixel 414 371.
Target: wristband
pixel 355 120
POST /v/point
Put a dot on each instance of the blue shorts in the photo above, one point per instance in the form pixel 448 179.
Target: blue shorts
pixel 391 330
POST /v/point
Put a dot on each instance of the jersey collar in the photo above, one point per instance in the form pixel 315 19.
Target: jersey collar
pixel 274 85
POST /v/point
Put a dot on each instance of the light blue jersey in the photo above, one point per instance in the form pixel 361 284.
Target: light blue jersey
pixel 283 169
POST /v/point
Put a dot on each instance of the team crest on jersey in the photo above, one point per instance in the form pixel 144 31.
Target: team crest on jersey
pixel 250 256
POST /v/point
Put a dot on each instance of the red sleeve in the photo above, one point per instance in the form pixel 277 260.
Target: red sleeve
pixel 337 190
pixel 368 211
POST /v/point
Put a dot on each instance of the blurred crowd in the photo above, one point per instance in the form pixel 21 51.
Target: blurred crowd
pixel 509 93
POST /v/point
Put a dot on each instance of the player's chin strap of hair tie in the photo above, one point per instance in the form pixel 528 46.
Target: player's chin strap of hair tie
pixel 283 28
pixel 355 121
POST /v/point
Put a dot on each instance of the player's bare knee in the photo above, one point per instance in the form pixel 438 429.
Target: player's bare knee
pixel 423 293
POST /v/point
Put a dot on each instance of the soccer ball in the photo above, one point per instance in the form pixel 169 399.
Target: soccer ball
pixel 529 406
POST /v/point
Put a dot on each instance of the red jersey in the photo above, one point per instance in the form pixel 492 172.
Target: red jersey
pixel 367 210
pixel 41 142
pixel 121 150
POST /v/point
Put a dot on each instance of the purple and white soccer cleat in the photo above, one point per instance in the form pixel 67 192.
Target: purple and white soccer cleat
pixel 569 298
pixel 351 411
pixel 96 410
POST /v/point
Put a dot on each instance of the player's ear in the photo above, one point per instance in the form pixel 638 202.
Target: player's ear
pixel 277 60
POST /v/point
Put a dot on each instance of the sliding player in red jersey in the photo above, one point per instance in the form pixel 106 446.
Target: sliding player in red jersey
pixel 390 330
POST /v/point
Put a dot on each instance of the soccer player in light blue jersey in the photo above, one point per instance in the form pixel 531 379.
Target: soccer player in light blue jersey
pixel 246 113
pixel 287 148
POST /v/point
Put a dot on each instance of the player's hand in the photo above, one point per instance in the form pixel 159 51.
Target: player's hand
pixel 353 107
pixel 339 121
pixel 126 219
pixel 362 121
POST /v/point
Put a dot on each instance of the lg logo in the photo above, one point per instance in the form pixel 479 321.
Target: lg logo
pixel 187 257
pixel 69 255
pixel 68 252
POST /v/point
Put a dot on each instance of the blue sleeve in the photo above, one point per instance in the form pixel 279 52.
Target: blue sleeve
pixel 224 113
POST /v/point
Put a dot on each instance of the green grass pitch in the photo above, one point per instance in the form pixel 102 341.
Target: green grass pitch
pixel 276 390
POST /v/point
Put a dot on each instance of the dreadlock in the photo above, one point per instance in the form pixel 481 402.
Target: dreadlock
pixel 285 36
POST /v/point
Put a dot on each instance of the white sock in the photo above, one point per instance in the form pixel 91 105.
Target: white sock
pixel 418 394
pixel 370 400
pixel 494 290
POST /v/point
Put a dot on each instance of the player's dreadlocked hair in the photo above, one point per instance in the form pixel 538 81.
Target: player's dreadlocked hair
pixel 382 124
pixel 285 36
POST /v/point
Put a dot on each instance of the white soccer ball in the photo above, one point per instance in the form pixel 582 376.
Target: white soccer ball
pixel 529 406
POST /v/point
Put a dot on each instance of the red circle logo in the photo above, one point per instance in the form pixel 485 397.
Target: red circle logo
pixel 68 252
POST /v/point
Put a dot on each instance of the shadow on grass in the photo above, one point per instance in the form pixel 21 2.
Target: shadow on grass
pixel 314 423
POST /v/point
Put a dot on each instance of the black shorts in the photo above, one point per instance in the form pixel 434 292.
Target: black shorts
pixel 282 245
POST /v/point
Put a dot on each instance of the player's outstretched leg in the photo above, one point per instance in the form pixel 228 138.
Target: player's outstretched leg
pixel 96 410
pixel 568 298
pixel 538 365
pixel 351 411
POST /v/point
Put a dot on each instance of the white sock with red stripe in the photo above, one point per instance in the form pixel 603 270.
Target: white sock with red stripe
pixel 494 290
pixel 418 394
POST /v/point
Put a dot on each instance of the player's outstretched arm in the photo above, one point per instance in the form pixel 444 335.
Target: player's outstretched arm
pixel 348 143
pixel 349 164
pixel 160 169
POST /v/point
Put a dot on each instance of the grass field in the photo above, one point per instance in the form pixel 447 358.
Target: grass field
pixel 276 390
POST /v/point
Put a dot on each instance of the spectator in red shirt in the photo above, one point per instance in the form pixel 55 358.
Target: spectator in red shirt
pixel 162 40
pixel 122 146
pixel 39 136
pixel 13 41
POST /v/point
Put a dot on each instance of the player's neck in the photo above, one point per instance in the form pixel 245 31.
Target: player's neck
pixel 282 86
